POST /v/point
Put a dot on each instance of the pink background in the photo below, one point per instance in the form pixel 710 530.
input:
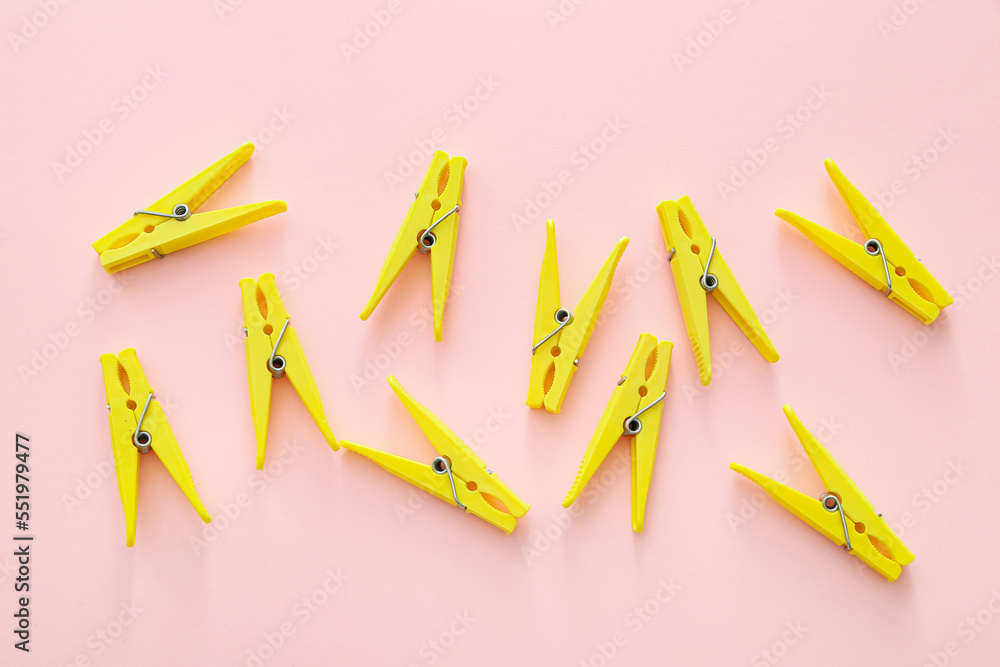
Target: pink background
pixel 903 407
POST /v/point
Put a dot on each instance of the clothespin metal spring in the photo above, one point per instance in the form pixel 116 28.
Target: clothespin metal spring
pixel 873 247
pixel 427 239
pixel 181 212
pixel 275 363
pixel 632 425
pixel 708 280
pixel 441 466
pixel 142 440
pixel 831 503
pixel 563 317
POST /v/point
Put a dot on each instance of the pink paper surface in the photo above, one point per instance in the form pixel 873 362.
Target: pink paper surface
pixel 589 113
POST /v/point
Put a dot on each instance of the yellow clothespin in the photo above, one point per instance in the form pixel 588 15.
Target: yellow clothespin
pixel 273 350
pixel 138 425
pixel 171 223
pixel 634 410
pixel 700 270
pixel 456 475
pixel 883 261
pixel 842 513
pixel 430 227
pixel 560 335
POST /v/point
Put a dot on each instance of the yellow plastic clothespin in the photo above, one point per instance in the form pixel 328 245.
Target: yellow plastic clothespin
pixel 560 335
pixel 430 227
pixel 456 475
pixel 634 410
pixel 171 223
pixel 139 426
pixel 273 350
pixel 700 270
pixel 842 513
pixel 883 261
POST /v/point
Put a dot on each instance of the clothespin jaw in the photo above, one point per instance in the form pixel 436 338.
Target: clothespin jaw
pixel 843 514
pixel 699 270
pixel 458 476
pixel 635 409
pixel 430 227
pixel 273 350
pixel 560 335
pixel 170 224
pixel 138 425
pixel 883 261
